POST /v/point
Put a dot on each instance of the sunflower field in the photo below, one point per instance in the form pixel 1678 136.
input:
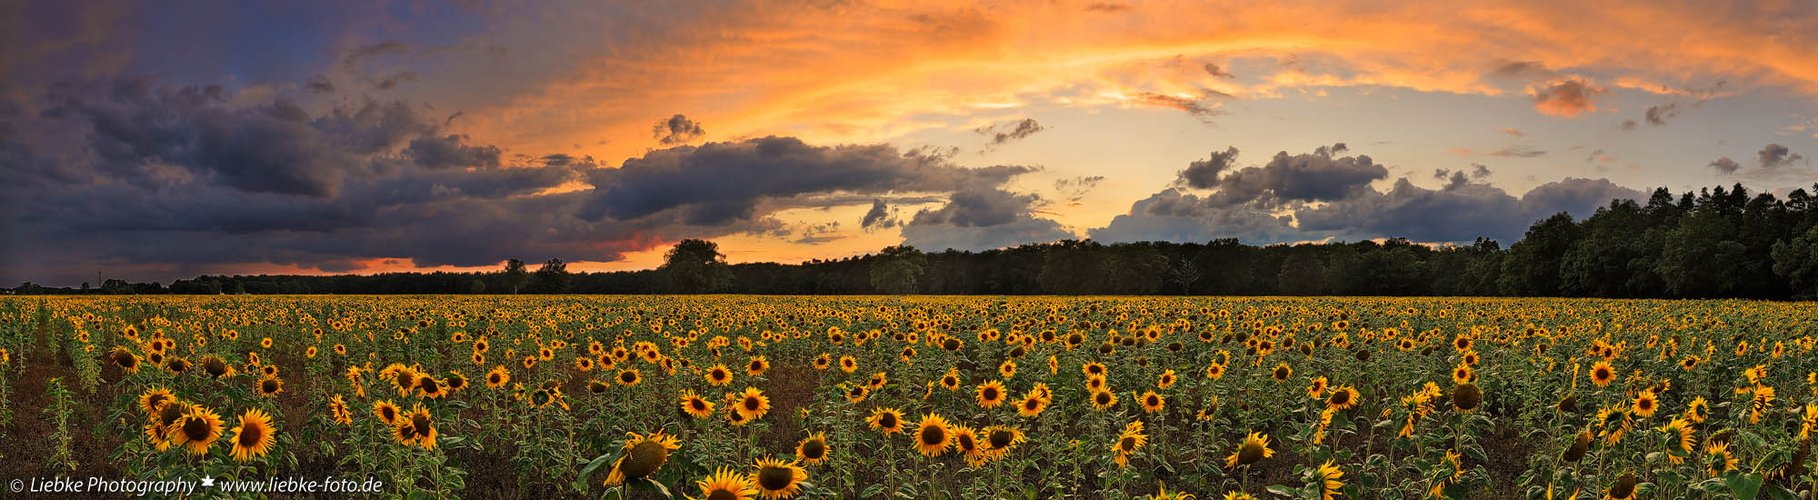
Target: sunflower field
pixel 920 397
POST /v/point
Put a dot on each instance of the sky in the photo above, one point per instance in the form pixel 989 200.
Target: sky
pixel 151 141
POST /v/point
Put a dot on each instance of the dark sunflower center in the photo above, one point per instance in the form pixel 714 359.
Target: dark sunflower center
pixel 721 494
pixel 1152 401
pixel 775 478
pixel 887 421
pixel 752 404
pixel 966 443
pixel 990 394
pixel 628 377
pixel 1103 398
pixel 697 405
pixel 814 450
pixel 195 429
pixel 250 435
pixel 1341 398
pixel 1127 444
pixel 933 435
pixel 269 386
pixel 1281 373
pixel 1249 453
pixel 644 459
pixel 1000 438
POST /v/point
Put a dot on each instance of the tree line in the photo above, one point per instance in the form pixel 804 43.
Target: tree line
pixel 1714 243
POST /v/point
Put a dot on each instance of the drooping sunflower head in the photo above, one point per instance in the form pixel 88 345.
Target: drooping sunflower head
pixel 125 359
pixel 778 479
pixel 1581 444
pixel 644 454
pixel 254 436
pixel 1623 488
pixel 1467 396
pixel 813 449
pixel 1253 449
pixel 933 435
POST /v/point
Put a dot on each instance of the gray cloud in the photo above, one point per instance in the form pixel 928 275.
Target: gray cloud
pixel 1658 115
pixel 1725 165
pixel 1774 156
pixel 982 219
pixel 1567 97
pixel 677 129
pixel 451 151
pixel 724 182
pixel 1074 189
pixel 1518 151
pixel 1001 133
pixel 1318 176
pixel 1204 108
pixel 1214 70
pixel 1463 209
pixel 879 217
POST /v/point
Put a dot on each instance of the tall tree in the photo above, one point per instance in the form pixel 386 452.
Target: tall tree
pixel 696 266
pixel 897 269
pixel 516 276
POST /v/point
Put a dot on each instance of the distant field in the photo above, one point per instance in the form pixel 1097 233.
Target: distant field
pixel 950 397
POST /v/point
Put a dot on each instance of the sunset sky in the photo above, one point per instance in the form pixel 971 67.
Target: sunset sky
pixel 162 140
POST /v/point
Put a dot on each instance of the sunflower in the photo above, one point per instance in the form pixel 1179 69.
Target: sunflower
pixel 1645 404
pixel 1215 371
pixel 386 412
pixel 337 410
pixel 1602 374
pixel 752 404
pixel 1007 369
pixel 498 377
pixel 254 436
pixel 1466 396
pixel 888 420
pixel 757 366
pixel 154 397
pixel 1152 402
pixel 718 375
pixel 1329 484
pixel 1254 449
pixel 416 428
pixel 1093 369
pixel 125 359
pixel 823 361
pixel 164 423
pixel 1581 444
pixel 848 364
pixel 1282 372
pixel 1462 374
pixel 933 435
pixel 270 386
pixel 214 367
pixel 1166 380
pixel 778 479
pixel 1128 441
pixel 693 405
pixel 196 430
pixel 1682 429
pixel 878 380
pixel 429 387
pixel 1103 400
pixel 1718 458
pixel 1316 387
pixel 629 377
pixel 999 439
pixel 643 456
pixel 726 484
pixel 1623 488
pixel 857 393
pixel 1760 403
pixel 1031 406
pixel 1697 410
pixel 950 381
pixel 990 394
pixel 1343 397
pixel 812 450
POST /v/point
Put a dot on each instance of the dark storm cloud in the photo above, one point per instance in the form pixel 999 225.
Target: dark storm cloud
pixel 451 151
pixel 878 217
pixel 1307 177
pixel 1203 174
pixel 1001 133
pixel 1725 165
pixel 723 182
pixel 1774 156
pixel 1461 210
pixel 982 218
pixel 676 130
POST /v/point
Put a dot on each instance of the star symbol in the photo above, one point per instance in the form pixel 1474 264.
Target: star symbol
pixel 208 481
